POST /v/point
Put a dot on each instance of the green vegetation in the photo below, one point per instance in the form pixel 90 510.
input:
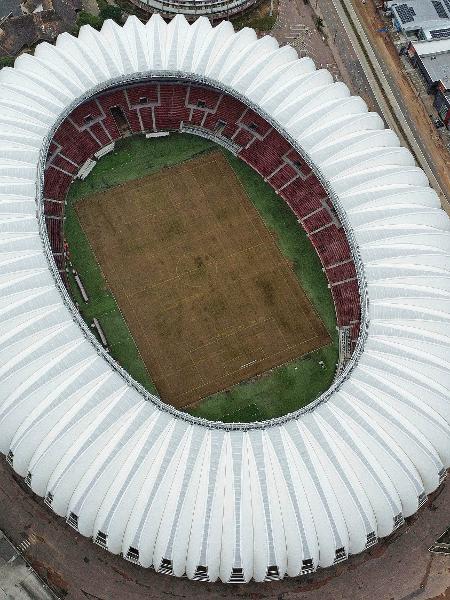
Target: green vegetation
pixel 135 157
pixel 107 11
pixel 262 24
pixel 292 240
pixel 111 12
pixel 283 390
pixel 6 61
pixel 85 18
pixel 276 393
pixel 319 24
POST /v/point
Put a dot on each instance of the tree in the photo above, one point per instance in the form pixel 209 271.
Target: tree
pixel 111 12
pixel 85 18
pixel 6 61
pixel 319 24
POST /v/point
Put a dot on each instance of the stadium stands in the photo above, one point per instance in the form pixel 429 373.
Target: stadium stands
pixel 153 106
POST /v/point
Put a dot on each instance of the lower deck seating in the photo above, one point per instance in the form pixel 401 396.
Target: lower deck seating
pixel 55 234
pixel 53 208
pixel 341 272
pixel 154 106
pixel 56 184
pixel 265 156
pixel 317 220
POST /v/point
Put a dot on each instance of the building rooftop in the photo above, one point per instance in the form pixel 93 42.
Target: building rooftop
pixel 17 580
pixel 431 17
pixel 434 47
pixel 435 57
pixel 21 32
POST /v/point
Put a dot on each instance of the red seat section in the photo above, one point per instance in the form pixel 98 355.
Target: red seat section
pixel 100 134
pixel 282 177
pixel 200 101
pixel 317 220
pixel 173 109
pixel 56 184
pixel 202 98
pixel 297 160
pixel 55 234
pixel 118 99
pixel 252 121
pixel 86 113
pixel 341 272
pixel 54 208
pixel 243 137
pixel 65 165
pixel 76 145
pixel 347 302
pixel 144 94
pixel 228 112
pixel 265 156
pixel 331 245
pixel 147 118
pixel 59 260
pixel 304 196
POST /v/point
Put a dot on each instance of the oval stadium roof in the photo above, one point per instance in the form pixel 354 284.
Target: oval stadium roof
pixel 188 496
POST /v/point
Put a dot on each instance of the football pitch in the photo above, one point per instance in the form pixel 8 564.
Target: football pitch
pixel 208 296
pixel 198 286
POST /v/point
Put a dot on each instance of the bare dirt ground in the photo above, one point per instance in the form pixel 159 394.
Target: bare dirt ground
pixel 207 295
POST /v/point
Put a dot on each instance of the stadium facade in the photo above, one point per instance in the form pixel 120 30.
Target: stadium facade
pixel 192 9
pixel 184 495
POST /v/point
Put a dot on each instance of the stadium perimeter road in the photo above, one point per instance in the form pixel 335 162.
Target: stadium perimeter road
pixel 398 569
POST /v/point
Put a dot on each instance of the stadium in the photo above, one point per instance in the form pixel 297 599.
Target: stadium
pixel 182 494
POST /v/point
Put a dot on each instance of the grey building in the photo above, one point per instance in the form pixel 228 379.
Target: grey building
pixel 433 61
pixel 421 19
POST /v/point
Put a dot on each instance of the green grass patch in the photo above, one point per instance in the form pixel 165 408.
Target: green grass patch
pixel 258 18
pixel 259 23
pixel 135 157
pixel 281 391
pixel 292 241
pixel 284 389
pixel 6 61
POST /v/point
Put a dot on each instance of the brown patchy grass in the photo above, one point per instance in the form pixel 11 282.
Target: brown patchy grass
pixel 207 295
